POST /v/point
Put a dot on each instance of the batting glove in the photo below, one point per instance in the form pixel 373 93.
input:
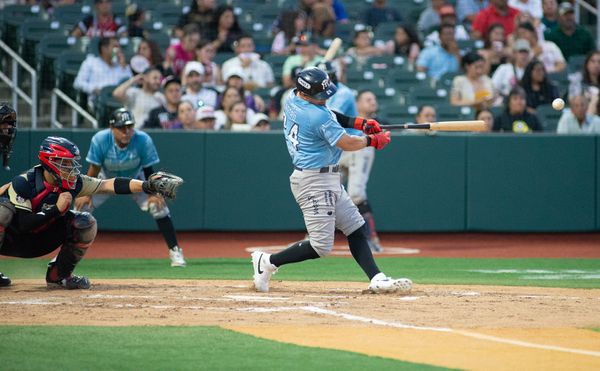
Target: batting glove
pixel 379 140
pixel 368 126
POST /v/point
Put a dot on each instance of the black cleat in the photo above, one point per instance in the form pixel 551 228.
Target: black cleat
pixel 4 281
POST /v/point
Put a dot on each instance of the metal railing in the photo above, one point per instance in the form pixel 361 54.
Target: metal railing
pixel 590 8
pixel 13 82
pixel 76 109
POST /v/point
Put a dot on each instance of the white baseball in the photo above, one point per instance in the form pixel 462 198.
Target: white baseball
pixel 558 104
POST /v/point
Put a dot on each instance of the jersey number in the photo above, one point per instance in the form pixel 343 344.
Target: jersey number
pixel 293 136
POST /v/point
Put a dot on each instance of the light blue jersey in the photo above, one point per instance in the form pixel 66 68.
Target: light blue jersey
pixel 122 162
pixel 344 102
pixel 311 132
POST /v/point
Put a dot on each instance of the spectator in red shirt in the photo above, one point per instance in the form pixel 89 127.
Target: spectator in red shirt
pixel 497 12
pixel 100 24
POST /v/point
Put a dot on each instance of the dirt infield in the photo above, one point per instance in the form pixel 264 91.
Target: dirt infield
pixel 474 327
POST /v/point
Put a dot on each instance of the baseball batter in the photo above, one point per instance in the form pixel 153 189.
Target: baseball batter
pixel 315 138
pixel 122 150
pixel 356 165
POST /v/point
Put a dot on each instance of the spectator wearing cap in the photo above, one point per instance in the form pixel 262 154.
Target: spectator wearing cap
pixel 235 79
pixel 97 72
pixel 448 16
pixel 307 56
pixel 101 23
pixel 379 12
pixel 194 91
pixel 509 74
pixel 545 51
pixel 436 60
pixel 205 118
pixel 430 17
pixel 205 54
pixel 466 10
pixel 255 72
pixel 260 122
pixel 179 54
pixel 571 38
pixel 550 15
pixel 515 118
pixel 533 7
pixel 140 101
pixel 497 12
pixel 165 116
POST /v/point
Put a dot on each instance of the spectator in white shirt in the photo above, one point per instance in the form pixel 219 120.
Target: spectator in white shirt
pixel 96 72
pixel 577 120
pixel 194 91
pixel 255 72
pixel 140 101
pixel 508 75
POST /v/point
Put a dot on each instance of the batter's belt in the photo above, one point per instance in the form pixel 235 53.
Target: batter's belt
pixel 326 169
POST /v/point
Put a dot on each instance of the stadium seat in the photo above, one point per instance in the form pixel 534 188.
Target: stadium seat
pixel 548 117
pixel 276 62
pixel 105 104
pixel 66 67
pixel 222 57
pixel 31 33
pixel 399 114
pixel 426 95
pixel 69 15
pixel 161 38
pixel 168 14
pixel 13 17
pixel 445 81
pixel 469 45
pixel 384 32
pixel 265 14
pixel 448 112
pixel 575 63
pixel 47 51
pixel 404 80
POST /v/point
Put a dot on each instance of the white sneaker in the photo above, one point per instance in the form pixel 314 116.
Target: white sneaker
pixel 176 255
pixel 382 283
pixel 263 270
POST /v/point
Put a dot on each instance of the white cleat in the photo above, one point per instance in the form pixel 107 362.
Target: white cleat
pixel 176 255
pixel 263 270
pixel 381 283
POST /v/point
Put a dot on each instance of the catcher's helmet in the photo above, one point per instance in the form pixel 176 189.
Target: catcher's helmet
pixel 121 117
pixel 329 70
pixel 8 131
pixel 315 83
pixel 60 157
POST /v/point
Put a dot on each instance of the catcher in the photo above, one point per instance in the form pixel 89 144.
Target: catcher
pixel 35 215
pixel 122 150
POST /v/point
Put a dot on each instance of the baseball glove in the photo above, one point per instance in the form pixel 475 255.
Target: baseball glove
pixel 162 183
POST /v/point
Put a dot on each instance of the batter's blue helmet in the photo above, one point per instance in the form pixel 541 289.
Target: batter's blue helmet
pixel 315 83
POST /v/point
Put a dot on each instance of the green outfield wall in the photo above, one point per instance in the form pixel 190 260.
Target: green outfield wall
pixel 422 183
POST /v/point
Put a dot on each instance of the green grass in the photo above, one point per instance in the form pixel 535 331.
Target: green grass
pixel 571 273
pixel 170 348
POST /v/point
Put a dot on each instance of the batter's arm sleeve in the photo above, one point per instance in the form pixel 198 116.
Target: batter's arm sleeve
pixel 345 121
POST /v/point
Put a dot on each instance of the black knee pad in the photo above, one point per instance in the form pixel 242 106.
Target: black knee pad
pixel 84 227
pixel 7 212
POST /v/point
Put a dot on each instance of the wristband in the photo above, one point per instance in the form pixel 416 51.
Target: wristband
pixel 359 123
pixel 368 140
pixel 121 186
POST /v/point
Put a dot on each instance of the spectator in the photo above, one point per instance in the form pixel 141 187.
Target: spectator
pixel 101 23
pixel 533 7
pixel 341 15
pixel 230 95
pixel 379 12
pixel 524 17
pixel 293 23
pixel 539 89
pixel 322 20
pixel 430 17
pixel 497 12
pixel 447 15
pixel 165 116
pixel 545 51
pixel 577 120
pixel 474 88
pixel 182 52
pixel 515 117
pixel 406 43
pixel 487 116
pixel 508 75
pixel 307 56
pixel 571 38
pixel 495 52
pixel 236 117
pixel 425 114
pixel 205 54
pixel 201 14
pixel 550 15
pixel 135 21
pixel 148 55
pixel 235 79
pixel 436 60
pixel 141 101
pixel 255 72
pixel 194 90
pixel 260 122
pixel 186 115
pixel 587 81
pixel 363 48
pixel 205 118
pixel 223 30
pixel 103 70
pixel 466 10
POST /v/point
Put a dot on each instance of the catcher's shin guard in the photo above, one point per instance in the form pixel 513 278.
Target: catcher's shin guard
pixel 81 234
pixel 7 211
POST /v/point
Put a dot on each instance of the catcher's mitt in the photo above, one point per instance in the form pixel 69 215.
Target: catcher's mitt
pixel 162 183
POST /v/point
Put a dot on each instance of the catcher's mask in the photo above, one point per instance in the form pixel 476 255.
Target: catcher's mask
pixel 60 157
pixel 8 132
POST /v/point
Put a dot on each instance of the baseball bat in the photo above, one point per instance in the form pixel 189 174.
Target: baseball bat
pixel 332 50
pixel 474 125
